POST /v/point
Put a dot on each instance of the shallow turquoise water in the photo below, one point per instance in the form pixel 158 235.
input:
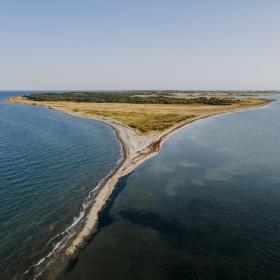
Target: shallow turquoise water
pixel 208 207
pixel 49 162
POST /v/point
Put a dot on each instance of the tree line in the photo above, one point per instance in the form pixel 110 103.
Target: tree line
pixel 128 97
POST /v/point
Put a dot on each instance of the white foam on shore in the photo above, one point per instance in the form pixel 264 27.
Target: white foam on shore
pixel 71 230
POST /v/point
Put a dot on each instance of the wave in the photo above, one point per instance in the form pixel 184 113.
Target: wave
pixel 38 268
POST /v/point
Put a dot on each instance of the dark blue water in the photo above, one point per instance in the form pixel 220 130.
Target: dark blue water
pixel 49 163
pixel 208 207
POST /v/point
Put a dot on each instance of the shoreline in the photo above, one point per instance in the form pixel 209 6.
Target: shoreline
pixel 136 150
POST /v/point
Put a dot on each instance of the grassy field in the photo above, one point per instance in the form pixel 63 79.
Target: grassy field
pixel 145 118
pixel 144 122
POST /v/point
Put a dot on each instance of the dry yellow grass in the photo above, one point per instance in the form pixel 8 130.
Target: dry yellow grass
pixel 146 118
pixel 144 122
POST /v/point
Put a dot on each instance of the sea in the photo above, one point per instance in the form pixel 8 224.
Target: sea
pixel 51 165
pixel 206 208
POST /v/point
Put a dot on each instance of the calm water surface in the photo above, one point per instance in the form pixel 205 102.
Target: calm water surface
pixel 49 162
pixel 208 207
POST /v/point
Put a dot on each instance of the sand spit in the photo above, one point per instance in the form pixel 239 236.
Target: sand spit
pixel 137 148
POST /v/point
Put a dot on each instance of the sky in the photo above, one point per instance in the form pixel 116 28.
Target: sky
pixel 144 44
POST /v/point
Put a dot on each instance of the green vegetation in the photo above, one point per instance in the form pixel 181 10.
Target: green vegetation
pixel 142 97
pixel 144 122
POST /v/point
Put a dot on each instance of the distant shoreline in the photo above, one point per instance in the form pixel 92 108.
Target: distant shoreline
pixel 137 149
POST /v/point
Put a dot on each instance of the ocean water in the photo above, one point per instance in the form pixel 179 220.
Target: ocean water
pixel 208 207
pixel 49 164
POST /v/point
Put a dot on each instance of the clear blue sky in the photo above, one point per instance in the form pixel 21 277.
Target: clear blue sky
pixel 144 44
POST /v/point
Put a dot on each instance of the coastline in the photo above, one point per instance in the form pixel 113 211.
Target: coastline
pixel 136 149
